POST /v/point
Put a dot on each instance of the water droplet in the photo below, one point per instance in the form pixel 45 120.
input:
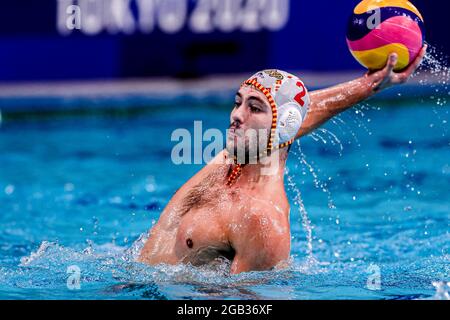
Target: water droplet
pixel 115 200
pixel 9 189
pixel 68 187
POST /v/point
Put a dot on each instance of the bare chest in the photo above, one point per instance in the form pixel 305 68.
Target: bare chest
pixel 202 234
pixel 204 231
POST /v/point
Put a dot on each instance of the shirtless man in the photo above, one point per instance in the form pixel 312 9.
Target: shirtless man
pixel 234 211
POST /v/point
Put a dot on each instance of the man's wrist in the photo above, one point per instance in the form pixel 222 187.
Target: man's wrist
pixel 376 82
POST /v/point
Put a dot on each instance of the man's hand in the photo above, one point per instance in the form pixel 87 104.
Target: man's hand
pixel 386 77
pixel 327 103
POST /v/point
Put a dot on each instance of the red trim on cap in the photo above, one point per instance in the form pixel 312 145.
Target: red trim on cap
pixel 237 170
pixel 273 106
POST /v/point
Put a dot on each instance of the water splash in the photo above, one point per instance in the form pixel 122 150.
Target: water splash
pixel 324 136
pixel 442 290
pixel 40 252
pixel 317 137
pixel 334 140
pixel 435 73
pixel 340 123
pixel 298 202
pixel 358 110
pixel 309 166
pixel 110 269
pixel 434 67
pixel 132 253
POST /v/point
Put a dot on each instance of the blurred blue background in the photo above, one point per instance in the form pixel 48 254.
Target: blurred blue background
pixel 182 38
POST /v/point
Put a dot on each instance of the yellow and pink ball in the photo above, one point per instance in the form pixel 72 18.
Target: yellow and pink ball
pixel 380 27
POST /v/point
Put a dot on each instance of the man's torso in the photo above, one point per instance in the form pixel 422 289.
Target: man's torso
pixel 203 217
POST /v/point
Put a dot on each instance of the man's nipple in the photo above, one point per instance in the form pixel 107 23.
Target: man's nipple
pixel 189 243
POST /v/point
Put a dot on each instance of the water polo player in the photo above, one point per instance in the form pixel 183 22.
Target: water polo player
pixel 230 209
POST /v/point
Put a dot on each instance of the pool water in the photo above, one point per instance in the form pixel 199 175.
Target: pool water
pixel 82 191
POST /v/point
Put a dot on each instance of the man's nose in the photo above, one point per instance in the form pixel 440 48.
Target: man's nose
pixel 238 115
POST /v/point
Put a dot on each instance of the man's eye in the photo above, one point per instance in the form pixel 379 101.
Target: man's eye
pixel 255 109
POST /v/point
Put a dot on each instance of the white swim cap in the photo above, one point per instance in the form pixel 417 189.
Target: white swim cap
pixel 289 100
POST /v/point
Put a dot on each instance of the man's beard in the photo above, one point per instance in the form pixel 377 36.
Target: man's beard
pixel 248 147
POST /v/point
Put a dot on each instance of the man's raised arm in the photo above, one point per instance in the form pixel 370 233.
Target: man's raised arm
pixel 329 102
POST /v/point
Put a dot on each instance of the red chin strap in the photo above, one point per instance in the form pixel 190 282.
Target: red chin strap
pixel 235 173
pixel 237 170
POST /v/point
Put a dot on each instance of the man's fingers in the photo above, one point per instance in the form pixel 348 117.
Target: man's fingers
pixel 392 61
pixel 416 63
pixel 423 51
pixel 387 73
pixel 387 77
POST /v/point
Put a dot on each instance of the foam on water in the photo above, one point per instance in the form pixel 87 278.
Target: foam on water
pixel 442 290
pixel 111 269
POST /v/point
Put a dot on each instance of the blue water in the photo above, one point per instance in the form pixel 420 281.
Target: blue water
pixel 82 190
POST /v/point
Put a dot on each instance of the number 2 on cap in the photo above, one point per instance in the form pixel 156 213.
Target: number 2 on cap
pixel 299 97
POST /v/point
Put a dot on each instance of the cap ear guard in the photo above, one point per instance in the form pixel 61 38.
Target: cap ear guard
pixel 289 108
pixel 289 101
pixel 289 122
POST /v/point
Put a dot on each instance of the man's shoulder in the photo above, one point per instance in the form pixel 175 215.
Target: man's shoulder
pixel 202 174
pixel 267 207
pixel 262 237
pixel 265 221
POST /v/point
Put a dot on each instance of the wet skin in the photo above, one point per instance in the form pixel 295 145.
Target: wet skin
pixel 205 220
pixel 248 223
